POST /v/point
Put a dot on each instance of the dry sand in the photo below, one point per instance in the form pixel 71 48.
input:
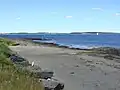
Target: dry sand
pixel 78 72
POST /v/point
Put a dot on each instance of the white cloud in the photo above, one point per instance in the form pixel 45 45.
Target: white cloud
pixel 68 16
pixel 18 18
pixel 99 9
pixel 117 14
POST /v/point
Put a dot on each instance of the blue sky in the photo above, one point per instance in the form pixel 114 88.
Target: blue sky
pixel 59 15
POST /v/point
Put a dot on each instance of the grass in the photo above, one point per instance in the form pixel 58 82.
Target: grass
pixel 10 77
pixel 7 42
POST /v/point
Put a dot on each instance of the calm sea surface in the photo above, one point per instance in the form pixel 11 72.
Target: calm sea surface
pixel 76 40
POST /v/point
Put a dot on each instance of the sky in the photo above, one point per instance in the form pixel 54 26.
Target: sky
pixel 60 16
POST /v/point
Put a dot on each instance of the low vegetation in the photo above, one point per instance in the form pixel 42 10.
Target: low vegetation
pixel 7 42
pixel 10 77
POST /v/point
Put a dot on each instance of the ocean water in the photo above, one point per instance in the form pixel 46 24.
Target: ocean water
pixel 84 41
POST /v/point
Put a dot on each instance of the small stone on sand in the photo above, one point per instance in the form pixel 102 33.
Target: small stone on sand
pixel 76 65
pixel 72 73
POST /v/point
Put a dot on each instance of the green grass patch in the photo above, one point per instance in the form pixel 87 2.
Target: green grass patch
pixel 7 42
pixel 10 77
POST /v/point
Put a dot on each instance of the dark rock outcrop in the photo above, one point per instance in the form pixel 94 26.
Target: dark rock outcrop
pixel 110 57
pixel 15 44
pixel 47 74
pixel 108 50
pixel 39 73
pixel 52 84
pixel 16 59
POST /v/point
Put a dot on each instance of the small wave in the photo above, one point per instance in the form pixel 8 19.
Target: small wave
pixel 45 41
pixel 66 45
pixel 74 46
pixel 82 46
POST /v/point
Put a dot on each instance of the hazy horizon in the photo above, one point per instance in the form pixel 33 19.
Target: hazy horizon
pixel 59 32
pixel 57 16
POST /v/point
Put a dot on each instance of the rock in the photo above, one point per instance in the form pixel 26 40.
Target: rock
pixel 72 73
pixel 76 65
pixel 101 63
pixel 15 44
pixel 23 63
pixel 16 59
pixel 89 61
pixel 46 74
pixel 88 64
pixel 82 59
pixel 110 57
pixel 108 50
pixel 52 84
pixel 117 66
pixel 117 60
pixel 39 73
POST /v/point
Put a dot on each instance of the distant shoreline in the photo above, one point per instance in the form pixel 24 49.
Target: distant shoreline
pixel 61 33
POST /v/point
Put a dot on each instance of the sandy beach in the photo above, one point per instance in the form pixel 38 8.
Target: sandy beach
pixel 77 71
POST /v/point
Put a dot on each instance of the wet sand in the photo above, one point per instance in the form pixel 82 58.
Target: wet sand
pixel 78 72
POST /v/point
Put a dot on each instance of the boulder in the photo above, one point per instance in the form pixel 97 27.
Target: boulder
pixel 15 44
pixel 47 74
pixel 39 73
pixel 52 84
pixel 23 63
pixel 16 59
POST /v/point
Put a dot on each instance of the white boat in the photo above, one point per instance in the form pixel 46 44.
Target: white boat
pixel 97 33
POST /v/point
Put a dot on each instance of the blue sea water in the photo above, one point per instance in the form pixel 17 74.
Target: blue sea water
pixel 84 41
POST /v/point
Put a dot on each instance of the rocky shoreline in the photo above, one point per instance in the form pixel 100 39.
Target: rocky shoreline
pixel 104 50
pixel 97 62
pixel 26 41
pixel 44 76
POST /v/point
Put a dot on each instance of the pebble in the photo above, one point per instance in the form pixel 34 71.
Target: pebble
pixel 72 73
pixel 76 65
